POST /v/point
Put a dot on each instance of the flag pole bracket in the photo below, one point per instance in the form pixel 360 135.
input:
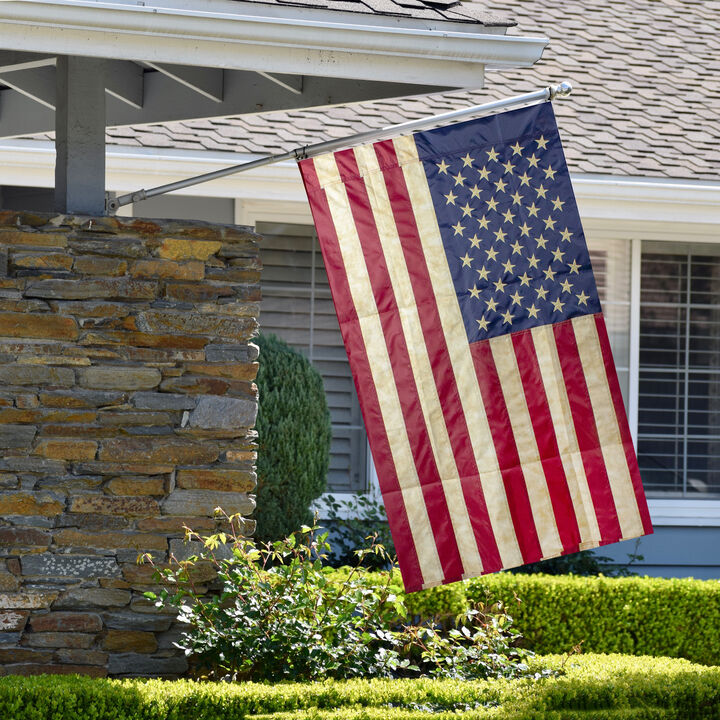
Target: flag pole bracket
pixel 113 204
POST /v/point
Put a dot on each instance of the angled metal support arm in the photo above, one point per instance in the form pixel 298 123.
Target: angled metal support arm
pixel 548 93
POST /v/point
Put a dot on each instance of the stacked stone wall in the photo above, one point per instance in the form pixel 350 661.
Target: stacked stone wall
pixel 126 407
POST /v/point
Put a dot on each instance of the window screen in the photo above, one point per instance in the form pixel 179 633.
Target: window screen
pixel 297 307
pixel 679 383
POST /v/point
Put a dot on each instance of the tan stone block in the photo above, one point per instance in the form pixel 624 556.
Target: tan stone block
pixel 18 237
pixel 232 371
pixel 176 524
pixel 35 325
pixel 19 503
pixel 66 622
pixel 106 505
pixel 58 639
pixel 73 416
pixel 241 455
pixel 229 328
pixel 216 479
pixel 67 449
pixel 26 401
pixel 11 415
pixel 8 581
pixel 55 360
pixel 27 600
pixel 192 385
pixel 168 270
pixel 136 486
pixel 101 289
pixel 135 541
pixel 106 468
pixel 144 340
pixel 156 450
pixel 178 249
pixel 117 377
pixel 129 419
pixel 130 641
pixel 49 261
pixel 198 292
pixel 92 265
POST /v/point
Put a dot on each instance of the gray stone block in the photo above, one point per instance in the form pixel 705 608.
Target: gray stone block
pixel 231 353
pixel 92 598
pixel 88 566
pixel 36 375
pixel 144 622
pixel 217 412
pixel 112 377
pixel 204 502
pixel 17 436
pixel 162 401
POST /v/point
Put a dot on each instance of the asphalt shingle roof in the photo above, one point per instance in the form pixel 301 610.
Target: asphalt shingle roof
pixel 449 10
pixel 646 101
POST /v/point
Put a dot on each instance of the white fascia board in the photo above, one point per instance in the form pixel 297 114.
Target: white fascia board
pixel 636 206
pixel 646 207
pixel 684 512
pixel 329 45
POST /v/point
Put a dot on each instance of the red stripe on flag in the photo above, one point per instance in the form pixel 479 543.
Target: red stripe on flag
pixel 586 432
pixel 542 423
pixel 367 394
pixel 417 430
pixel 443 372
pixel 623 424
pixel 506 449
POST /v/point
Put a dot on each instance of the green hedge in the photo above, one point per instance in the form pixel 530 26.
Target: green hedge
pixel 592 686
pixel 634 615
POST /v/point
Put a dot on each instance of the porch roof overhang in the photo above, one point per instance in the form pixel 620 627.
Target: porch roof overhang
pixel 272 39
pixel 79 66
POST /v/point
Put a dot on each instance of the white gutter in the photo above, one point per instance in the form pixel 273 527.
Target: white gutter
pixel 341 47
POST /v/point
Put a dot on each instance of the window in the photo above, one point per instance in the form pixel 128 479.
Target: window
pixel 679 375
pixel 297 307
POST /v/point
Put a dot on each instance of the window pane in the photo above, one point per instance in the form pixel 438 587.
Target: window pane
pixel 679 384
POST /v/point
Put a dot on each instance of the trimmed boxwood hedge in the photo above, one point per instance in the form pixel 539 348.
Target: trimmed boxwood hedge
pixel 614 687
pixel 633 615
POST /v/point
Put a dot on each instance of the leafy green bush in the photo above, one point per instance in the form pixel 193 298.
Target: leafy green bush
pixel 634 615
pixel 350 523
pixel 585 687
pixel 293 427
pixel 279 615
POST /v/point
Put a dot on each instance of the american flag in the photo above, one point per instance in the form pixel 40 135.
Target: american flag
pixel 468 307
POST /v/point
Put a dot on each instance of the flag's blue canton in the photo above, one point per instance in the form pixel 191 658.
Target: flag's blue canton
pixel 509 222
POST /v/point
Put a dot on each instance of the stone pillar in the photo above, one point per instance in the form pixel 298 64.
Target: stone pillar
pixel 126 407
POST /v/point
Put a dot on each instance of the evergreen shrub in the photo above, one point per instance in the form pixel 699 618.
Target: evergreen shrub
pixel 597 687
pixel 293 426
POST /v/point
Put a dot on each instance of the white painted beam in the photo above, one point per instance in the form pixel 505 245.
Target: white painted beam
pixel 206 81
pixel 11 60
pixel 124 81
pixel 38 84
pixel 292 83
pixel 337 44
pixel 166 100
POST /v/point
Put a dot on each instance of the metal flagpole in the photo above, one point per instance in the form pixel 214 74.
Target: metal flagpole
pixel 548 93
